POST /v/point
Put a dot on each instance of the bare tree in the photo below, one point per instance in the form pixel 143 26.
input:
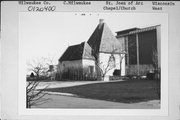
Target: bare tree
pixel 101 71
pixel 33 96
pixel 103 68
pixel 37 66
pixel 107 67
pixel 49 60
pixel 40 66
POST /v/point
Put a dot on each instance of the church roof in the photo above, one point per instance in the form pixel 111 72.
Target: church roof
pixel 73 52
pixel 77 52
pixel 103 40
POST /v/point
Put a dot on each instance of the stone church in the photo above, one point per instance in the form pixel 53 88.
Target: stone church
pixel 130 52
pixel 99 55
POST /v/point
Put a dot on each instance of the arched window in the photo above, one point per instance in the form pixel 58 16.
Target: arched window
pixel 112 61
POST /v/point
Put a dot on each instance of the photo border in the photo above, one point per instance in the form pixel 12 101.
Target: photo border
pixel 163 111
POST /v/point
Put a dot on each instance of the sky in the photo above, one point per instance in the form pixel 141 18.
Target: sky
pixel 49 34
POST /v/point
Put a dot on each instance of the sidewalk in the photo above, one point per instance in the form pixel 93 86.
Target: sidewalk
pixel 58 101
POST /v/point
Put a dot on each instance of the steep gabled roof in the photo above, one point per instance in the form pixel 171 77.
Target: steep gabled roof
pixel 103 40
pixel 109 43
pixel 95 39
pixel 73 52
pixel 77 52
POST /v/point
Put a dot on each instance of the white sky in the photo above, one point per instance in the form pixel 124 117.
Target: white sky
pixel 49 34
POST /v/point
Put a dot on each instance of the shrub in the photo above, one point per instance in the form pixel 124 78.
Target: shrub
pixel 77 74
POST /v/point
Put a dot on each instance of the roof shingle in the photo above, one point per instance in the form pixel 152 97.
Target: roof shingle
pixel 73 53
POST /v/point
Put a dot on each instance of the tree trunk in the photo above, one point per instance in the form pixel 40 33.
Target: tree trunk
pixel 27 103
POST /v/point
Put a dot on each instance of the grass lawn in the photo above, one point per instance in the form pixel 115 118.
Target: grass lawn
pixel 130 91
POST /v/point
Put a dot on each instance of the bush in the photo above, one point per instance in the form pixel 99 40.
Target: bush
pixel 35 78
pixel 77 74
pixel 150 75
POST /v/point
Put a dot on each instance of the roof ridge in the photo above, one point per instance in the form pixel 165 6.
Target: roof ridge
pixel 76 44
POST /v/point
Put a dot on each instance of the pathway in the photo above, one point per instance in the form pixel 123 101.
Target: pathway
pixel 58 101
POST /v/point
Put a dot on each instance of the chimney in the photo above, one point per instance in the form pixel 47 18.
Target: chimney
pixel 101 21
